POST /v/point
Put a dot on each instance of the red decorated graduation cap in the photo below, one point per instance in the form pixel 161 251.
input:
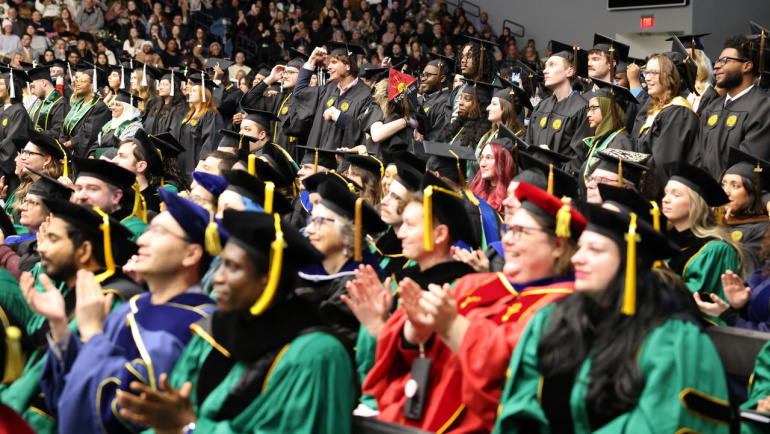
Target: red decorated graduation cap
pixel 398 83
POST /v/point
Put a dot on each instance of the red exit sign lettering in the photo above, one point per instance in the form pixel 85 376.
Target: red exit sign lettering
pixel 648 21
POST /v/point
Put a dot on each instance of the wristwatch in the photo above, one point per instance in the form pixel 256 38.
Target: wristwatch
pixel 188 428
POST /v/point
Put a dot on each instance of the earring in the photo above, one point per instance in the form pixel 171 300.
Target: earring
pixel 345 251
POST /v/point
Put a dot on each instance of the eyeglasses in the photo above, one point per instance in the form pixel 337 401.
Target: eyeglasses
pixel 651 73
pixel 427 75
pixel 25 153
pixel 160 230
pixel 517 230
pixel 317 222
pixel 200 200
pixel 489 158
pixel 726 59
pixel 287 72
pixel 30 203
pixel 593 107
pixel 600 180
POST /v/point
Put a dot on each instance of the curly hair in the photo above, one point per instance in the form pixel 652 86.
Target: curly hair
pixel 485 66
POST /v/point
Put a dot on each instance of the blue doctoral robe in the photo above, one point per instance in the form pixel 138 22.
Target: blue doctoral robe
pixel 140 342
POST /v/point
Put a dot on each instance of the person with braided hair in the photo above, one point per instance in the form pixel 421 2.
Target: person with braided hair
pixel 472 123
pixel 476 63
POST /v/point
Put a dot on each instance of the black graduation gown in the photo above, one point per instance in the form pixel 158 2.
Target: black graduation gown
pixel 743 124
pixel 299 214
pixel 670 138
pixel 388 246
pixel 168 119
pixel 86 131
pixel 560 125
pixel 435 110
pixel 15 126
pixel 199 137
pixel 226 96
pixel 151 198
pixel 750 233
pixel 374 114
pixel 622 140
pixel 313 101
pixel 281 105
pixel 56 116
pixel 709 95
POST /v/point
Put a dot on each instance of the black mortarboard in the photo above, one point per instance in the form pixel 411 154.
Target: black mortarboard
pixel 202 78
pixel 280 160
pixel 757 29
pixel 89 221
pixel 449 161
pixel 85 36
pixel 632 164
pixel 446 63
pixel 149 152
pixel 214 184
pixel 537 171
pixel 124 73
pixel 480 87
pixel 47 144
pixel 148 70
pixel 108 172
pixel 752 168
pixel 174 77
pixel 222 63
pixel 341 48
pixel 629 200
pixel 261 117
pixel 263 70
pixel 167 144
pixel 486 44
pixel 685 65
pixel 235 139
pixel 193 218
pixel 376 74
pixel 255 189
pixel 97 74
pixel 369 163
pixel 27 65
pixel 297 55
pixel 691 40
pixel 545 155
pixel 520 97
pixel 568 52
pixel 637 61
pixel 326 159
pixel 39 73
pixel 265 171
pixel 408 176
pixel 604 43
pixel 56 62
pixel 698 180
pixel 621 95
pixel 49 188
pixel 447 207
pixel 128 98
pixel 395 155
pixel 312 182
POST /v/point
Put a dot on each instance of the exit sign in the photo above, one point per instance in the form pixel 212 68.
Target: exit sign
pixel 648 21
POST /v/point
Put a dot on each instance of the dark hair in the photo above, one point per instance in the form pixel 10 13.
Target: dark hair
pixel 747 49
pixel 79 236
pixel 488 68
pixel 581 325
pixel 228 160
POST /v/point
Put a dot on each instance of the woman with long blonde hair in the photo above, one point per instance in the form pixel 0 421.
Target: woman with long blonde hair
pixel 200 127
pixel 387 123
pixel 708 250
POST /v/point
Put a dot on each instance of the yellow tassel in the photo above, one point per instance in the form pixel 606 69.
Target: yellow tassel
pixel 240 143
pixel 550 179
pixel 563 219
pixel 357 248
pixel 211 237
pixel 252 165
pixel 162 182
pixel 140 205
pixel 629 298
pixel 315 162
pixel 655 212
pixel 269 191
pixel 14 359
pixel 276 263
pixel 720 215
pixel 620 173
pixel 427 203
pixel 109 262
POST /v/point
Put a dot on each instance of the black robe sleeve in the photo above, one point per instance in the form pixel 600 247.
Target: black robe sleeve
pixel 671 136
pixel 56 118
pixel 87 130
pixel 15 127
pixel 437 114
pixel 210 123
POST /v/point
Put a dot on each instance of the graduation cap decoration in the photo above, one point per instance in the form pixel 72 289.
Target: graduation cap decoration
pixel 574 55
pixel 319 157
pixel 513 94
pixel 442 204
pixel 633 234
pixel 569 222
pixel 49 188
pixel 343 202
pixel 682 60
pixel 399 84
pixel 628 165
pixel 128 98
pixel 312 182
pixel 753 169
pixel 260 192
pixel 617 51
pixel 627 200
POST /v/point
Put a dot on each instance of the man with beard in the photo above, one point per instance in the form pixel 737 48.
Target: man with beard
pixel 140 339
pixel 739 118
pixel 48 113
pixel 88 113
pixel 434 82
pixel 71 242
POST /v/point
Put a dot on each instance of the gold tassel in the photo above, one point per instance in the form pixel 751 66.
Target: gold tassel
pixel 427 204
pixel 629 298
pixel 276 263
pixel 139 211
pixel 65 172
pixel 563 219
pixel 162 182
pixel 240 143
pixel 758 194
pixel 269 191
pixel 252 165
pixel 620 172
pixel 357 248
pixel 655 212
pixel 109 262
pixel 762 37
pixel 211 237
pixel 463 182
pixel 550 179
pixel 720 215
pixel 14 359
pixel 315 162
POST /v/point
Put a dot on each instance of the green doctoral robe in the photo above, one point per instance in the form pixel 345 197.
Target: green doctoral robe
pixel 758 389
pixel 676 359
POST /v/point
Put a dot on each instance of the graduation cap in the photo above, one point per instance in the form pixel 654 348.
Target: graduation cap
pixel 375 74
pixel 449 161
pixel 400 84
pixel 617 51
pixel 262 235
pixel 396 155
pixel 104 170
pixel 174 77
pixel 116 238
pixel 263 70
pixel 569 223
pixel 627 200
pixel 692 41
pixel 85 36
pixel 685 64
pixel 312 182
pixel 202 79
pixel 260 192
pixel 27 65
pixel 262 169
pixel 641 242
pixel 124 73
pixel 128 98
pixel 483 43
pixel 345 49
pixel 446 206
pixel 48 144
pixel 752 168
pixel 168 146
pixel 49 188
pixel 513 94
pixel 574 55
pixel 617 94
pixel 408 176
pixel 39 73
pixel 637 61
pixel 297 55
pixel 367 162
pixel 546 175
pixel 443 63
pixel 262 117
pixel 97 74
pixel 698 180
pixel 280 160
pixel 318 157
pixel 343 202
pixel 149 152
pixel 222 63
pixel 194 220
pixel 527 75
pixel 628 165
pixel 147 70
pixel 214 184
pixel 235 139
pixel 474 87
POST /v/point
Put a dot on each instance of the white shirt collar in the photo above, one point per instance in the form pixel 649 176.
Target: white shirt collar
pixel 347 88
pixel 729 99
